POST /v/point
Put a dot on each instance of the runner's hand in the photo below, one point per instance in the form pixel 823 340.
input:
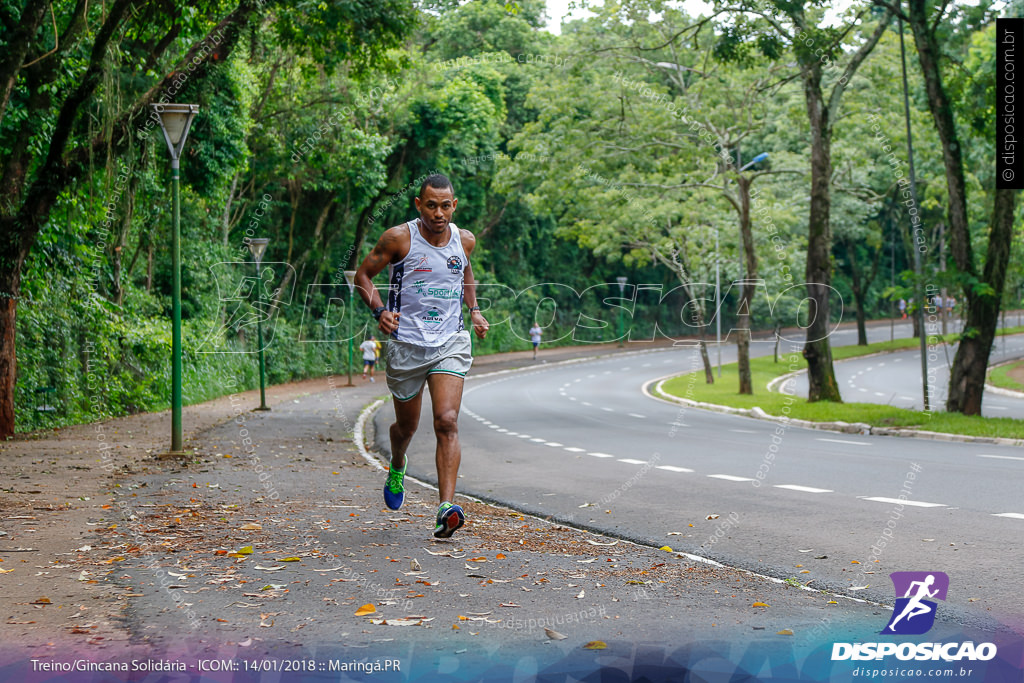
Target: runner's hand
pixel 388 322
pixel 480 324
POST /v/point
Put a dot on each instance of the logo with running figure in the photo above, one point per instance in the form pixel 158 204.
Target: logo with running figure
pixel 422 266
pixel 913 614
pixel 454 264
pixel 433 317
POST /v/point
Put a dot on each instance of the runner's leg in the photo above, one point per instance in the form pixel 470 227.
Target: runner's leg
pixel 446 400
pixel 407 419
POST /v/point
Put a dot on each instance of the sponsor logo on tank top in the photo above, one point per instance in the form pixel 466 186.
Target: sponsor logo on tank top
pixel 454 264
pixel 422 266
pixel 433 317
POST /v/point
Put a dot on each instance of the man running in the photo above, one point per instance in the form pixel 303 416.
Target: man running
pixel 369 349
pixel 430 277
pixel 535 335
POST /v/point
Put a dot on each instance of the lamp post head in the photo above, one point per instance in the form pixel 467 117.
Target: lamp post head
pixel 175 121
pixel 759 158
pixel 622 283
pixel 258 245
pixel 350 280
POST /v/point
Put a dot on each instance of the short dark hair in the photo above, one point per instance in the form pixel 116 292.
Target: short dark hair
pixel 438 181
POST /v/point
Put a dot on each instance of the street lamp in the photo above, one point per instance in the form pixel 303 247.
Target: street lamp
pixel 257 246
pixel 350 280
pixel 759 158
pixel 175 122
pixel 622 293
pixel 718 307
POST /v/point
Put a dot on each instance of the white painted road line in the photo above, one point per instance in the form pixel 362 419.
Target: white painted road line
pixel 587 403
pixel 642 417
pixel 673 468
pixel 553 444
pixel 729 477
pixel 1011 515
pixel 805 489
pixel 608 410
pixel 538 440
pixel 601 455
pixel 524 436
pixel 743 431
pixel 852 443
pixel 632 461
pixel 1001 457
pixel 573 449
pixel 897 501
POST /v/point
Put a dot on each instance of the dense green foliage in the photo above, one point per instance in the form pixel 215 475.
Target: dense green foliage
pixel 610 150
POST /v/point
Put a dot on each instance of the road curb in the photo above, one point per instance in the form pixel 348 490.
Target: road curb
pixel 837 426
pixel 1000 390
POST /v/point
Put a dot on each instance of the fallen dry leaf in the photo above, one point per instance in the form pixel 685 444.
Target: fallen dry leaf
pixel 596 543
pixel 760 604
pixel 665 548
pixel 595 645
pixel 554 635
pixel 368 608
pixel 500 556
pixel 784 632
pixel 251 527
pixel 269 569
pixel 711 517
pixel 581 594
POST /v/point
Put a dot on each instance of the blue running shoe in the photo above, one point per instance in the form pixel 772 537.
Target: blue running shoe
pixel 449 518
pixel 394 488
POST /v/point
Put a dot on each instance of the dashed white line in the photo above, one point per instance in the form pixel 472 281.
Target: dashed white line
pixel 493 426
pixel 1011 515
pixel 805 489
pixel 852 443
pixel 538 440
pixel 896 501
pixel 553 444
pixel 632 461
pixel 608 410
pixel 600 455
pixel 879 393
pixel 573 449
pixel 729 477
pixel 673 468
pixel 743 431
pixel 513 433
pixel 524 436
pixel 1000 457
pixel 997 408
pixel 587 403
pixel 642 417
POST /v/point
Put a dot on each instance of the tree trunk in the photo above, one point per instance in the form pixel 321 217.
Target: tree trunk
pixel 747 290
pixel 10 289
pixel 709 377
pixel 821 375
pixel 967 378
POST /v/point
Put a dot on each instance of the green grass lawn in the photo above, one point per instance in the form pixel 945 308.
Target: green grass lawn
pixel 763 370
pixel 1000 376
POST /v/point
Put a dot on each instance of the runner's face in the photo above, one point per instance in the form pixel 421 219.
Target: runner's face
pixel 436 207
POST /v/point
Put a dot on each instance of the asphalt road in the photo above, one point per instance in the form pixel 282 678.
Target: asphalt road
pixel 582 443
pixel 895 379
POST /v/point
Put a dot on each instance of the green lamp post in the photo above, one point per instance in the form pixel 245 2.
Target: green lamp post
pixel 257 246
pixel 622 292
pixel 350 280
pixel 175 122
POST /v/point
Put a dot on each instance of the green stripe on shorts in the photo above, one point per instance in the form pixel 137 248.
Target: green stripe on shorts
pixel 447 372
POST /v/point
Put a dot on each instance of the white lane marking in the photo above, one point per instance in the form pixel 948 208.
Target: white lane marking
pixel 1000 457
pixel 513 434
pixel 862 389
pixel 538 440
pixel 503 431
pixel 729 477
pixel 646 365
pixel 553 444
pixel 524 436
pixel 997 407
pixel 642 417
pixel 573 398
pixel 494 426
pixel 485 422
pixel 631 461
pixel 591 376
pixel 601 455
pixel 743 431
pixel 906 398
pixel 624 369
pixel 1011 515
pixel 673 468
pixel 896 501
pixel 898 360
pixel 608 410
pixel 805 489
pixel 678 424
pixel 852 443
pixel 573 449
pixel 879 393
pixel 587 403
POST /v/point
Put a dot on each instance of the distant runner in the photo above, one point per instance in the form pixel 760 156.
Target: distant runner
pixel 535 334
pixel 369 349
pixel 430 277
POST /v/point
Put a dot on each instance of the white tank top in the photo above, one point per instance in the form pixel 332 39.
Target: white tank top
pixel 426 288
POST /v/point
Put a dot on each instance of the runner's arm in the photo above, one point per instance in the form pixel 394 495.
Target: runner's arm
pixel 480 324
pixel 387 250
